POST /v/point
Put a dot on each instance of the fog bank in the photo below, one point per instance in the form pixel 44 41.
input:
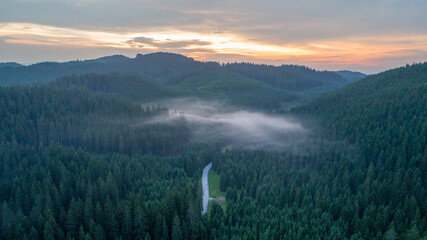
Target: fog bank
pixel 209 121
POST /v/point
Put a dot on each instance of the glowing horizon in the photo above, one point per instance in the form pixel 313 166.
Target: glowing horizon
pixel 357 36
pixel 199 46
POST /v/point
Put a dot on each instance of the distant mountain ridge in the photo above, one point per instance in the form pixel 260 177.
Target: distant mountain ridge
pixel 351 75
pixel 292 77
pixel 171 69
pixel 108 59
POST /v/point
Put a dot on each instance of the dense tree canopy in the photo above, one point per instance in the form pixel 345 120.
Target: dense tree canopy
pixel 80 160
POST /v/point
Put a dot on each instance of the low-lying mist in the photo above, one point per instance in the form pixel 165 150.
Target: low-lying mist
pixel 214 121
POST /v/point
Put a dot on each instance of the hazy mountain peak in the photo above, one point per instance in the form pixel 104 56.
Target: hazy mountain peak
pixel 350 75
pixel 163 55
pixel 10 64
pixel 112 58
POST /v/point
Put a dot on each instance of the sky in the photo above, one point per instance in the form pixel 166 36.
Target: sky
pixel 363 35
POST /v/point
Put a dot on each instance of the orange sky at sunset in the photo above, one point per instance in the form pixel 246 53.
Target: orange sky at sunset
pixel 370 38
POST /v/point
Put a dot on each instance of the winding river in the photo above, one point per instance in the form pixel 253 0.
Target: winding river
pixel 205 187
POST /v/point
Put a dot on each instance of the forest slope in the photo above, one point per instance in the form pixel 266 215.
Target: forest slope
pixel 135 87
pixel 385 117
pixel 365 180
pixel 384 114
pixel 172 69
pixel 77 164
pixel 235 89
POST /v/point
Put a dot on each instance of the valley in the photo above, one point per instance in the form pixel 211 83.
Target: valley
pixel 213 120
pixel 220 152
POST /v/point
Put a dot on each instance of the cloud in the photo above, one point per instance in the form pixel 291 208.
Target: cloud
pixel 368 53
pixel 277 21
pixel 146 40
pixel 246 129
pixel 166 44
pixel 214 121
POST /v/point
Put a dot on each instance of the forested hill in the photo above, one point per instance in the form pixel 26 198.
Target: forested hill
pixel 135 87
pixel 379 112
pixel 385 117
pixel 79 165
pixel 228 87
pixel 292 77
pixel 350 75
pixel 38 116
pixel 235 89
pixel 172 69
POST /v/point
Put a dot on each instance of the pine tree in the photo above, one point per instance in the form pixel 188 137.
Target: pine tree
pixel 127 223
pixel 140 224
pixel 390 234
pixel 413 233
pixel 34 235
pixel 81 233
pixel 176 229
pixel 99 233
pixel 48 232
